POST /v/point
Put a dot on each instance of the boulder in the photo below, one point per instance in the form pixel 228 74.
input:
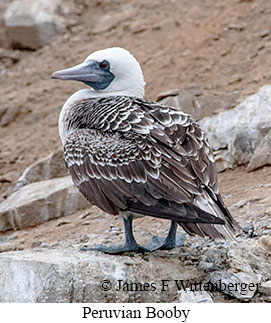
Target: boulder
pixel 262 154
pixel 239 131
pixel 39 202
pixel 51 166
pixel 33 24
pixel 195 102
pixel 72 276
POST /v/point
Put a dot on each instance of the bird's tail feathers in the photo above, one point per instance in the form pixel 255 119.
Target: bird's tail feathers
pixel 214 205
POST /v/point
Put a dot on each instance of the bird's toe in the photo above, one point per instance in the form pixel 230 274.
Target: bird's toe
pixel 115 250
pixel 164 243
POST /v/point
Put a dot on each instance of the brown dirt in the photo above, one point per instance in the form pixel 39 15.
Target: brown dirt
pixel 225 46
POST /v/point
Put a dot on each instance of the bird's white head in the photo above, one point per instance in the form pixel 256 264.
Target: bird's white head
pixel 111 71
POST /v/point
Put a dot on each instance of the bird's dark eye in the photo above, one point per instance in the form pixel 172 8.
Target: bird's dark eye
pixel 104 65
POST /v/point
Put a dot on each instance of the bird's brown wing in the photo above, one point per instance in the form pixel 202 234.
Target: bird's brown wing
pixel 149 159
pixel 181 136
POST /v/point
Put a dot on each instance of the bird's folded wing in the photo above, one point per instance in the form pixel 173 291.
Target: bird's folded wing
pixel 113 171
pixel 149 159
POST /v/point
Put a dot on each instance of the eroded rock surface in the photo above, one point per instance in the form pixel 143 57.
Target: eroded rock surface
pixel 39 202
pixel 49 167
pixel 239 131
pixel 196 102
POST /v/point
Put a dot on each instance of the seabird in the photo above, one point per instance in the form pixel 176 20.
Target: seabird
pixel 132 157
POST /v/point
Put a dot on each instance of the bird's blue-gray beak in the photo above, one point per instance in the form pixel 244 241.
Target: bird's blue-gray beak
pixel 88 72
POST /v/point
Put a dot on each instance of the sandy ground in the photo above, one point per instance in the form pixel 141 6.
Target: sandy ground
pixel 224 46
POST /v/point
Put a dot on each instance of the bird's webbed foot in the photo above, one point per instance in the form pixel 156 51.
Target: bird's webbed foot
pixel 116 250
pixel 165 243
pixel 155 243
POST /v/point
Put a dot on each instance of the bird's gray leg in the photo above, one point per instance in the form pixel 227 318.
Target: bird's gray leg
pixel 166 243
pixel 130 243
pixel 156 243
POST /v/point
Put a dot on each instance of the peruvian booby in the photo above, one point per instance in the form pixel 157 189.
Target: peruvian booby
pixel 132 157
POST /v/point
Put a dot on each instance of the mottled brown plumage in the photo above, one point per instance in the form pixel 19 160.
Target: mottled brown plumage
pixel 128 154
